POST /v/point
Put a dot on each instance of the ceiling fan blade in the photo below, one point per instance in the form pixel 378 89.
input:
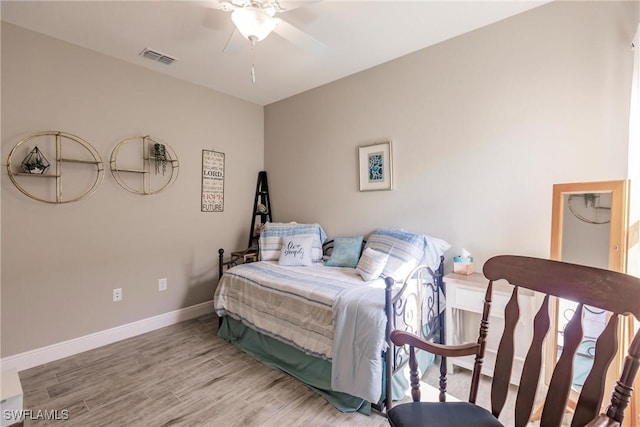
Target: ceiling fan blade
pixel 298 37
pixel 209 4
pixel 287 5
pixel 235 43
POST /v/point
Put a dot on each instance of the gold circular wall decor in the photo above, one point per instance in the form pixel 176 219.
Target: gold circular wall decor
pixel 69 150
pixel 589 209
pixel 135 156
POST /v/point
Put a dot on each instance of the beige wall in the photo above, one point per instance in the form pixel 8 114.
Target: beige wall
pixel 482 126
pixel 633 259
pixel 61 262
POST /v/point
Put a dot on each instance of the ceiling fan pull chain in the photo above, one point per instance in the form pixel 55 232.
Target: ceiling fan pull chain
pixel 253 71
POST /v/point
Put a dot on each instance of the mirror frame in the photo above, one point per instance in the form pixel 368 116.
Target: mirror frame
pixel 617 247
pixel 619 218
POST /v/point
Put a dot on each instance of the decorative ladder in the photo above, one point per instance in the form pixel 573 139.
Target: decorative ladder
pixel 261 208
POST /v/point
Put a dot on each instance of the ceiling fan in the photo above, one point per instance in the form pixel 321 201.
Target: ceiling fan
pixel 256 19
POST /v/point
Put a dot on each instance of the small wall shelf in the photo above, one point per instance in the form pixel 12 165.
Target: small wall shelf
pixel 70 143
pixel 126 151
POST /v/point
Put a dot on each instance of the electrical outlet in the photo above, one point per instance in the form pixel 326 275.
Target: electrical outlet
pixel 117 295
pixel 162 284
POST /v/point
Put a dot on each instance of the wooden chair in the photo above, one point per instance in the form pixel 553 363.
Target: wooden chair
pixel 614 292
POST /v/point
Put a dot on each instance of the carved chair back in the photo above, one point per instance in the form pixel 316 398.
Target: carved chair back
pixel 616 293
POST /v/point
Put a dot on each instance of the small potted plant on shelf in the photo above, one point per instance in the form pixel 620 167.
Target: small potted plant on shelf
pixel 160 157
pixel 35 162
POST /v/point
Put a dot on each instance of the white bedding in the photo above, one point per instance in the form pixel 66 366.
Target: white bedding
pixel 327 312
pixel 292 304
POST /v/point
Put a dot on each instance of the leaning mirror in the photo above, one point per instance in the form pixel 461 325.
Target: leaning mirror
pixel 588 227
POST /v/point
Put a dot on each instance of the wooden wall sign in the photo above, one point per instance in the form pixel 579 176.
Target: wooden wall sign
pixel 212 181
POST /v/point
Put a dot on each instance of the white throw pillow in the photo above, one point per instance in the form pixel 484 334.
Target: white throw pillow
pixel 371 264
pixel 296 251
pixel 273 232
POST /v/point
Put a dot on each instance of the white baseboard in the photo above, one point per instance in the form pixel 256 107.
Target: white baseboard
pixel 39 356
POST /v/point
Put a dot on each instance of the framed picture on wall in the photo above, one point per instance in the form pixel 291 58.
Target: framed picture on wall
pixel 212 181
pixel 375 166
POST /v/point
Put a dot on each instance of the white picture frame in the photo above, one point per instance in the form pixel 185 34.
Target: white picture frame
pixel 375 166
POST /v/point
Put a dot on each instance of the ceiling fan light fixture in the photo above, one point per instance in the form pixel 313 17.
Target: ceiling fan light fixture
pixel 253 23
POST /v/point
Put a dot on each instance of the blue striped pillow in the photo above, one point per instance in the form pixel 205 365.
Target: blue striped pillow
pixel 405 248
pixel 273 232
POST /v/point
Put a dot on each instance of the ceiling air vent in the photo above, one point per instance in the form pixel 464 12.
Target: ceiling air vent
pixel 157 56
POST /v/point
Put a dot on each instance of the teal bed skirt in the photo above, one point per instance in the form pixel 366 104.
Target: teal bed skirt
pixel 310 370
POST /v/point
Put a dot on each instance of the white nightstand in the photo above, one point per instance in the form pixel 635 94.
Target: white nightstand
pixel 465 300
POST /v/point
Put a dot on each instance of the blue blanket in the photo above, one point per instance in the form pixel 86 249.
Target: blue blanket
pixel 360 323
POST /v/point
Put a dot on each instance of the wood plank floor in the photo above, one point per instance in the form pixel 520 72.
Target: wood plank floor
pixel 181 375
pixel 185 375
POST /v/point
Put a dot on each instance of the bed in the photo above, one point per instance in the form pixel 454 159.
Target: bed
pixel 322 310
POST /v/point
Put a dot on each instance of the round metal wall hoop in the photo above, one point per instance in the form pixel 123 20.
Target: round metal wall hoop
pixel 59 161
pixel 593 210
pixel 146 143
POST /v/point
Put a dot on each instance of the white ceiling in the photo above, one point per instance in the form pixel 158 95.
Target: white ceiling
pixel 357 34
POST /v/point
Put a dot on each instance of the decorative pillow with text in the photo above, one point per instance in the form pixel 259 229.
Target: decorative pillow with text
pixel 296 251
pixel 273 233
